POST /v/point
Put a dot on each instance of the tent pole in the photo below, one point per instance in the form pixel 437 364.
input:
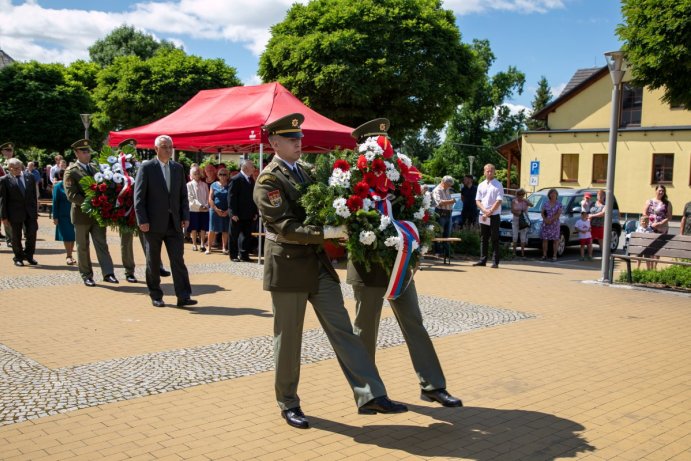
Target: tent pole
pixel 259 228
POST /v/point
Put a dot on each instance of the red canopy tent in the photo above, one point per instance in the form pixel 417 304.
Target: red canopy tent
pixel 230 120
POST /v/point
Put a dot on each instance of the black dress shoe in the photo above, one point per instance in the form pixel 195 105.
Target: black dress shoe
pixel 186 302
pixel 235 260
pixel 441 396
pixel 164 273
pixel 89 282
pixel 495 266
pixel 18 263
pixel 158 303
pixel 246 259
pixel 32 261
pixel 381 405
pixel 110 278
pixel 480 263
pixel 131 278
pixel 296 418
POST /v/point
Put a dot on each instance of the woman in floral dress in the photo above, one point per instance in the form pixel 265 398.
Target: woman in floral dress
pixel 551 211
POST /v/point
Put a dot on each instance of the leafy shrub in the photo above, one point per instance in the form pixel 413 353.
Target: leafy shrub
pixel 672 276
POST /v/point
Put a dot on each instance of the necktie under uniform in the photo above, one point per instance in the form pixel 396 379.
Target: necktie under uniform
pixel 296 170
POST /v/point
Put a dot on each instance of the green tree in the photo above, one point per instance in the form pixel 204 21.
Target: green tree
pixel 133 92
pixel 543 96
pixel 125 41
pixel 401 58
pixel 420 145
pixel 85 73
pixel 40 106
pixel 657 45
pixel 481 123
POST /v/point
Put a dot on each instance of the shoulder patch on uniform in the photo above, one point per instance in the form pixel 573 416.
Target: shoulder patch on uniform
pixel 266 177
pixel 275 198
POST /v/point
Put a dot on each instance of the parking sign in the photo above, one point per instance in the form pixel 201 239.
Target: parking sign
pixel 534 168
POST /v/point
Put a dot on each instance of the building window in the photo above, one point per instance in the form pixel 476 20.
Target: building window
pixel 663 167
pixel 631 106
pixel 569 167
pixel 599 168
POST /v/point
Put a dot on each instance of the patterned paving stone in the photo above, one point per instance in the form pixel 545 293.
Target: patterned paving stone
pixel 29 390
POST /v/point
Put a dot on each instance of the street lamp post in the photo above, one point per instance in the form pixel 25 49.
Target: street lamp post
pixel 471 159
pixel 615 62
pixel 86 121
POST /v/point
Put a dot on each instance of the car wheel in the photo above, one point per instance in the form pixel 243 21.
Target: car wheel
pixel 562 243
pixel 614 242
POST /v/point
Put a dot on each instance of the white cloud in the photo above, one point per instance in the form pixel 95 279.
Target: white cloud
pixel 464 7
pixel 557 90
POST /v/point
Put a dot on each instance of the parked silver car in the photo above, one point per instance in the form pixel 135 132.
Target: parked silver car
pixel 571 208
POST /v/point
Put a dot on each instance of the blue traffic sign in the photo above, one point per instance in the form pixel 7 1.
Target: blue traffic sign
pixel 535 167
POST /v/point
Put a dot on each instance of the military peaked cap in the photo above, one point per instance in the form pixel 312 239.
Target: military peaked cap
pixel 130 141
pixel 81 144
pixel 288 126
pixel 376 127
pixel 7 145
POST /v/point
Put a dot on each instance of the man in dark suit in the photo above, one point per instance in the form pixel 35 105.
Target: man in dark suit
pixel 19 210
pixel 243 212
pixel 160 201
pixel 6 153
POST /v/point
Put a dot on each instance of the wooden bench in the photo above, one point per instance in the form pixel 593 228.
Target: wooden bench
pixel 649 247
pixel 446 241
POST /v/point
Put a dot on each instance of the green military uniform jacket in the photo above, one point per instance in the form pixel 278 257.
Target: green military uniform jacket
pixel 293 251
pixel 75 193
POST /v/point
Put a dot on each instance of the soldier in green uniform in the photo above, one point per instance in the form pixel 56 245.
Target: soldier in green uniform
pixel 297 270
pixel 85 225
pixel 369 288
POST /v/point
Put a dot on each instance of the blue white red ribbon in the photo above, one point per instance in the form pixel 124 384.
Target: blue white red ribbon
pixel 407 234
pixel 129 183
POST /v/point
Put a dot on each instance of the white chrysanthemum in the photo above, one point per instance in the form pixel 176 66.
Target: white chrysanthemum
pixel 424 249
pixel 430 228
pixel 108 175
pixel 118 178
pixel 415 245
pixel 393 242
pixel 367 237
pixel 367 204
pixel 339 178
pixel 98 177
pixel 419 214
pixel 405 159
pixel 389 165
pixel 384 222
pixel 343 211
pixel 369 155
pixel 128 157
pixel 116 167
pixel 393 175
pixel 104 167
pixel 128 165
pixel 339 202
pixel 112 159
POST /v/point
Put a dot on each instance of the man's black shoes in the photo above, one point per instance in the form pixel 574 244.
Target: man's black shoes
pixel 495 266
pixel 441 396
pixel 32 261
pixel 131 278
pixel 235 260
pixel 158 303
pixel 89 282
pixel 186 302
pixel 18 263
pixel 164 273
pixel 480 263
pixel 381 405
pixel 110 278
pixel 296 418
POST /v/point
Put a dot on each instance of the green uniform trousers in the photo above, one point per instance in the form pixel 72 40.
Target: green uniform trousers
pixel 369 302
pixel 98 235
pixel 289 316
pixel 127 252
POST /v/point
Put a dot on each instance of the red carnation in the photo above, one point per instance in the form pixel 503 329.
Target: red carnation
pixel 103 187
pixel 361 189
pixel 416 188
pixel 370 178
pixel 425 218
pixel 362 163
pixel 378 165
pixel 354 203
pixel 385 144
pixel 342 164
pixel 93 186
pixel 406 189
pixel 94 202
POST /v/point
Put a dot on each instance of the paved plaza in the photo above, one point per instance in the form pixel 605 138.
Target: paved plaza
pixel 549 364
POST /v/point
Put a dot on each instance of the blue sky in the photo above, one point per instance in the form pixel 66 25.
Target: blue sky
pixel 553 38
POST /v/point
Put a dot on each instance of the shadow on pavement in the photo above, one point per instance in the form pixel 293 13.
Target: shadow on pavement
pixel 233 311
pixel 475 433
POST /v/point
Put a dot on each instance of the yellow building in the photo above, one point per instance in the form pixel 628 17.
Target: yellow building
pixel 653 147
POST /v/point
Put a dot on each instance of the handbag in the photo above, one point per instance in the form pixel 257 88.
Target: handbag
pixel 523 221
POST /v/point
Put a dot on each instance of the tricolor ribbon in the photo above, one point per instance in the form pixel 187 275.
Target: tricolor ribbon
pixel 129 182
pixel 407 234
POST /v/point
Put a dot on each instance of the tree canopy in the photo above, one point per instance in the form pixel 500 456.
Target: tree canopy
pixel 354 61
pixel 41 104
pixel 543 96
pixel 126 41
pixel 657 45
pixel 133 92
